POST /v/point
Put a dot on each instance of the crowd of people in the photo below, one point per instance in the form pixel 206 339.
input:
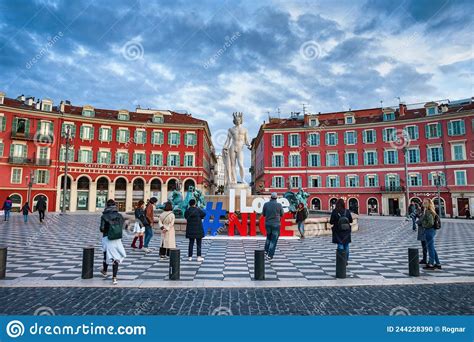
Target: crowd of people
pixel 25 209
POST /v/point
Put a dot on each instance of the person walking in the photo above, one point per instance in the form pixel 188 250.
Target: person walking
pixel 111 226
pixel 301 216
pixel 272 211
pixel 7 208
pixel 168 238
pixel 341 220
pixel 150 218
pixel 25 209
pixel 422 238
pixel 41 207
pixel 467 212
pixel 194 229
pixel 139 226
pixel 413 212
pixel 430 222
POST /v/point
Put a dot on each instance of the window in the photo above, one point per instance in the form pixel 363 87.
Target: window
pixel 45 128
pixel 46 107
pixel 371 181
pixel 72 130
pixel 278 182
pixel 174 138
pixel 331 138
pixel 413 155
pixel 157 138
pixel 189 160
pixel 139 158
pixel 414 179
pixel 460 177
pixel 412 132
pixel 314 122
pixel 42 177
pixel 173 160
pixel 389 116
pixel 294 140
pixel 352 181
pixel 392 182
pixel 16 176
pixel 105 134
pixel 434 177
pixel 456 127
pixel 88 113
pixel 123 116
pixel 140 136
pixel 349 120
pixel 391 157
pixel 314 160
pixel 1 148
pixel 295 160
pixel 370 158
pixel 431 111
pixel 21 127
pixel 433 130
pixel 332 181
pixel 277 160
pixel 87 132
pixel 158 119
pixel 70 154
pixel 295 181
pixel 369 136
pixel 313 139
pixel 156 159
pixel 350 138
pixel 332 159
pixel 3 123
pixel 121 158
pixel 389 134
pixel 123 135
pixel 18 151
pixel 277 140
pixel 458 152
pixel 103 157
pixel 190 139
pixel 435 154
pixel 315 181
pixel 85 156
pixel 350 158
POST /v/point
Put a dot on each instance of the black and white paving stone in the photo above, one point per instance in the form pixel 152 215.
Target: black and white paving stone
pixel 53 251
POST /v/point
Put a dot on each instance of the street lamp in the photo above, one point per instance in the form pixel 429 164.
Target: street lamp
pixel 407 195
pixel 31 180
pixel 66 160
pixel 438 185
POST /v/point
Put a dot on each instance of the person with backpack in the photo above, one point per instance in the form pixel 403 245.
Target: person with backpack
pixel 111 226
pixel 301 216
pixel 7 208
pixel 25 209
pixel 341 220
pixel 194 229
pixel 431 222
pixel 139 226
pixel 41 207
pixel 273 212
pixel 168 238
pixel 150 218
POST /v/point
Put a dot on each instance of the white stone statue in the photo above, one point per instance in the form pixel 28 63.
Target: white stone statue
pixel 233 153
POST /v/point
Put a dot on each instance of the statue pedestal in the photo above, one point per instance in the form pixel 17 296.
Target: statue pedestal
pixel 237 187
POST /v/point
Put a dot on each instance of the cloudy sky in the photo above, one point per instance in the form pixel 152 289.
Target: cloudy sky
pixel 211 58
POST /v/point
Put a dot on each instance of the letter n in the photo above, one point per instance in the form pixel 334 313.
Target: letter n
pixel 241 226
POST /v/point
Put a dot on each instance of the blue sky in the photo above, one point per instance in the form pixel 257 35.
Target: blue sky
pixel 211 58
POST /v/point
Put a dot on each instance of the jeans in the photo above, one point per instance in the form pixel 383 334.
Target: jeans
pixel 7 215
pixel 413 218
pixel 191 246
pixel 41 215
pixel 148 235
pixel 345 247
pixel 25 217
pixel 273 233
pixel 430 244
pixel 301 228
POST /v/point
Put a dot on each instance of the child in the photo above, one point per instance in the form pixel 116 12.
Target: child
pixel 25 210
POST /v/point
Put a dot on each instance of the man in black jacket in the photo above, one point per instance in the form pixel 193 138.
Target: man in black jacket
pixel 41 207
pixel 194 228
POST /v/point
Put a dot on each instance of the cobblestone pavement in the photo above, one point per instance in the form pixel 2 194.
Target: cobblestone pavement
pixel 452 299
pixel 53 251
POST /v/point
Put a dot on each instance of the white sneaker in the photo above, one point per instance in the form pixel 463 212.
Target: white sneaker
pixel 200 259
pixel 190 259
pixel 114 281
pixel 146 250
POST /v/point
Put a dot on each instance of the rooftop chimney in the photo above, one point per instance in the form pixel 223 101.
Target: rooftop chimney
pixel 21 98
pixel 2 97
pixel 402 109
pixel 30 100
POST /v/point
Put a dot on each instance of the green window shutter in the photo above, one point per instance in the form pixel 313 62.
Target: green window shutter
pixel 12 148
pixel 82 132
pixel 450 128
pixel 127 135
pixel 144 137
pixel 109 134
pixel 135 137
pixel 186 139
pixel 462 128
pixel 109 157
pixel 427 131
pixel 161 138
pixel 15 124
pixel 117 135
pixel 47 177
pixel 169 138
pixel 27 126
pixel 100 133
pixel 153 138
pixel 73 131
pixel 1 149
pixel 2 125
pixel 51 128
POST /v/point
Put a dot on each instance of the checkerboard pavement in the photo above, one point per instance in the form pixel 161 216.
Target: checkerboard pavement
pixel 53 251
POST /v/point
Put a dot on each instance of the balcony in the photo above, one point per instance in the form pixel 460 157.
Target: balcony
pixel 22 136
pixel 43 162
pixel 392 188
pixel 19 160
pixel 41 138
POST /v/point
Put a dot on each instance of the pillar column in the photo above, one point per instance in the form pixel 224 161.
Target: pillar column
pixel 147 192
pixel 111 192
pixel 164 192
pixel 73 197
pixel 92 196
pixel 129 197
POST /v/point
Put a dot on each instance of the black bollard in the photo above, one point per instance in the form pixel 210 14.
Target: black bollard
pixel 259 265
pixel 341 263
pixel 3 262
pixel 174 264
pixel 88 263
pixel 413 262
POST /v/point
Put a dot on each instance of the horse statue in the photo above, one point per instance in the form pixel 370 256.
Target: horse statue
pixel 302 197
pixel 291 197
pixel 176 200
pixel 195 194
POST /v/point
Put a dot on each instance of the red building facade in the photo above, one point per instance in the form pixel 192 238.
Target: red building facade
pixel 116 154
pixel 360 156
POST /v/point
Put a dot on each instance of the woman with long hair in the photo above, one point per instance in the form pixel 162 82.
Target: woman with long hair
pixel 428 223
pixel 168 239
pixel 140 222
pixel 341 220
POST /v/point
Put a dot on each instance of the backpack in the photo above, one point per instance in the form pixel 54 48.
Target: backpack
pixel 115 222
pixel 437 222
pixel 8 205
pixel 343 223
